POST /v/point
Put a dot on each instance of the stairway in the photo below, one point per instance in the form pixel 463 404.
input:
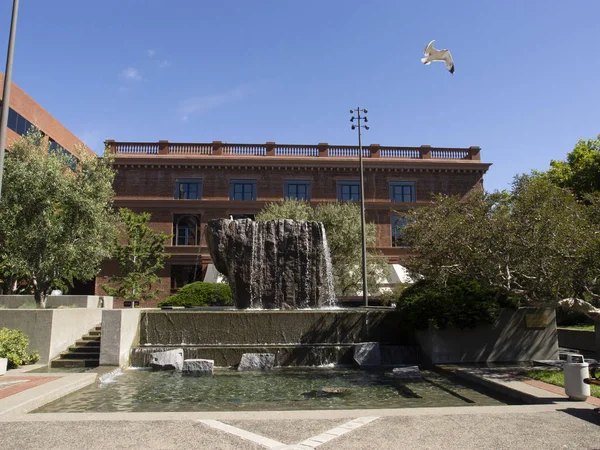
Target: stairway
pixel 84 353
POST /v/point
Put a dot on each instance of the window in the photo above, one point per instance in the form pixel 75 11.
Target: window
pixel 188 188
pixel 348 191
pixel 296 190
pixel 12 120
pixel 182 275
pixel 242 190
pixel 186 229
pixel 397 224
pixel 402 191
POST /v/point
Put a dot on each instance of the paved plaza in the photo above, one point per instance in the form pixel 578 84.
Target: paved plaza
pixel 553 423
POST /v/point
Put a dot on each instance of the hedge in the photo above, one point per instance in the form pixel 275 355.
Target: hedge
pixel 199 294
pixel 460 303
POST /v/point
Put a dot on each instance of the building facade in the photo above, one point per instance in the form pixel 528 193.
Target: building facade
pixel 24 113
pixel 184 186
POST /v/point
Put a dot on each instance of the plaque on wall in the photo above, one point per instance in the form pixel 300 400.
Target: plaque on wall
pixel 537 320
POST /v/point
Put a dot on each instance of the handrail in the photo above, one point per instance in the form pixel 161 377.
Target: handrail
pixel 218 148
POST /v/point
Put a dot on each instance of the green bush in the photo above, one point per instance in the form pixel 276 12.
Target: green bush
pixel 201 293
pixel 13 345
pixel 461 304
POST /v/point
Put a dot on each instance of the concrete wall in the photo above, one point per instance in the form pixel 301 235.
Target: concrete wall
pixel 518 335
pixel 55 301
pixel 120 331
pixel 51 331
pixel 179 327
pixel 583 340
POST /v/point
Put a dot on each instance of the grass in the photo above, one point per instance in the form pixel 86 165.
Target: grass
pixel 555 377
pixel 586 327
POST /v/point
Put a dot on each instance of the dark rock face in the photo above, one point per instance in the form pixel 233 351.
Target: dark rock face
pixel 282 264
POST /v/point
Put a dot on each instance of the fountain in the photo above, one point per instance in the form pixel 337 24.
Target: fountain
pixel 280 275
pixel 277 264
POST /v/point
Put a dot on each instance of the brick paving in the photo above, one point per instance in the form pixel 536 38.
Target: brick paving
pixel 22 384
pixel 557 390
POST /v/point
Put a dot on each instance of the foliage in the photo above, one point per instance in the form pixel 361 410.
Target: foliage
pixel 201 293
pixel 555 377
pixel 536 242
pixel 391 297
pixel 581 171
pixel 56 220
pixel 343 229
pixel 459 303
pixel 13 345
pixel 140 252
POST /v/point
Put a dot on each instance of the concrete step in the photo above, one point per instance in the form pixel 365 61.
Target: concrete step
pixel 84 348
pixel 79 355
pixel 75 363
pixel 95 333
pixel 87 337
pixel 87 344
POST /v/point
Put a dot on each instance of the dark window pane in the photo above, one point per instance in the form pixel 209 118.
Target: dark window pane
pixel 12 119
pixel 21 125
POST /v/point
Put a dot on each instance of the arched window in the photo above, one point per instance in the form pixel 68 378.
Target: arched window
pixel 186 229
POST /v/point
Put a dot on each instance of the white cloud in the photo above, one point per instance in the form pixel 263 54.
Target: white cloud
pixel 151 52
pixel 131 73
pixel 164 63
pixel 195 105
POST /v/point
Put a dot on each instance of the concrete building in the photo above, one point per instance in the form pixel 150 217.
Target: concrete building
pixel 184 186
pixel 25 112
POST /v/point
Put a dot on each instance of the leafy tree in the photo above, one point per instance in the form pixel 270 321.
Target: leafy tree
pixel 140 252
pixel 581 171
pixel 536 242
pixel 343 228
pixel 56 220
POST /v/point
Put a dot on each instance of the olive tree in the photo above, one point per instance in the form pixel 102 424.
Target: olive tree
pixel 56 219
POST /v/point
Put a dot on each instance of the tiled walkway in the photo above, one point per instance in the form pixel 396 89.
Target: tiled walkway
pixel 10 385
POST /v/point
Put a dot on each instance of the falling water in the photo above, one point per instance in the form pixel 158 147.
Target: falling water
pixel 274 264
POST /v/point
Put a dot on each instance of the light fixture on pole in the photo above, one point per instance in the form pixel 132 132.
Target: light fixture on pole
pixel 360 118
pixel 6 91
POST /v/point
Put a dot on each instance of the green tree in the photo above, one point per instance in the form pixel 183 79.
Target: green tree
pixel 342 226
pixel 56 220
pixel 140 252
pixel 581 171
pixel 536 242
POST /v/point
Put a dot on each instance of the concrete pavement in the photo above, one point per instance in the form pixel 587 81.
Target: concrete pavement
pixel 555 422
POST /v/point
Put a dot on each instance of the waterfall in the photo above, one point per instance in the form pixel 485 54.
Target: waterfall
pixel 283 264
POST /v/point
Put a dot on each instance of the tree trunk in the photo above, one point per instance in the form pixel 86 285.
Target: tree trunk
pixel 40 293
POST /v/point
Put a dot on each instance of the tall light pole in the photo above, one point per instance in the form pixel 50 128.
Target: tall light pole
pixel 358 118
pixel 7 82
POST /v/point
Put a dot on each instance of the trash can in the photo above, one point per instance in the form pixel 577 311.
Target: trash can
pixel 576 369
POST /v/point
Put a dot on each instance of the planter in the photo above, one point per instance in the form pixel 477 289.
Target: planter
pixel 524 334
pixel 3 365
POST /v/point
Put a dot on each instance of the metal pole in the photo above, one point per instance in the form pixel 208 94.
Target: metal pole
pixel 7 83
pixel 362 215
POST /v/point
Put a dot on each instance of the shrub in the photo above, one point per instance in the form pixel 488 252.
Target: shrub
pixel 13 345
pixel 461 303
pixel 201 293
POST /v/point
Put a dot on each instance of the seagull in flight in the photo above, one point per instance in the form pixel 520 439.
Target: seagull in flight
pixel 431 54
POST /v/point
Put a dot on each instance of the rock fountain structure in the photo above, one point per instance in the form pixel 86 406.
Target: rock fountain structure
pixel 281 277
pixel 277 264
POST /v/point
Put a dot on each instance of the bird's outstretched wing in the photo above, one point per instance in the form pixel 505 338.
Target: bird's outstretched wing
pixel 449 61
pixel 428 48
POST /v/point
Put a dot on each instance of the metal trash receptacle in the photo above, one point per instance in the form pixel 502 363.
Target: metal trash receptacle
pixel 575 370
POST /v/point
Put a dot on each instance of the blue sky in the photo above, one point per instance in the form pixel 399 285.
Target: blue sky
pixel 526 85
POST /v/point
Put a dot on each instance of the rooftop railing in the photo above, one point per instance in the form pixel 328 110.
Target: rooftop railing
pixel 218 148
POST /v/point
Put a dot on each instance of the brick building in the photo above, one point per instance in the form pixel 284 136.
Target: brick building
pixel 184 186
pixel 25 112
